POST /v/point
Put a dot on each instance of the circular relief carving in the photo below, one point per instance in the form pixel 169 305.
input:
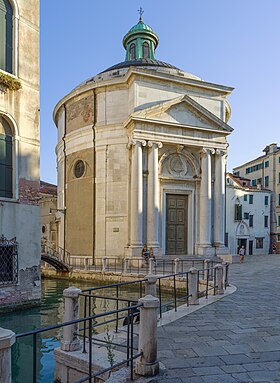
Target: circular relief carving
pixel 177 166
pixel 79 169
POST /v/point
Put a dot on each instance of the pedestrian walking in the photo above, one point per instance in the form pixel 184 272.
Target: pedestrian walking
pixel 242 253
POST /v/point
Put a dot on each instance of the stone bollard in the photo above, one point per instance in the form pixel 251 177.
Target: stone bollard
pixel 219 289
pixel 151 285
pixel 148 364
pixel 151 265
pixel 206 267
pixel 193 286
pixel 104 267
pixel 86 262
pixel 7 339
pixel 225 279
pixel 176 265
pixel 126 265
pixel 70 341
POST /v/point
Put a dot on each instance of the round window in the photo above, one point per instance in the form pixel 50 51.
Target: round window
pixel 43 229
pixel 79 169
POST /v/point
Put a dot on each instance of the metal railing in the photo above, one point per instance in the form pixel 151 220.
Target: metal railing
pixel 160 266
pixel 126 312
pixel 58 253
pixel 86 332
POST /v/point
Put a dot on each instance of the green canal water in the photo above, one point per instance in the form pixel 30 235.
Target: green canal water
pixel 50 312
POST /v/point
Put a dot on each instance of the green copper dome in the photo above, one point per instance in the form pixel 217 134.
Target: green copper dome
pixel 140 42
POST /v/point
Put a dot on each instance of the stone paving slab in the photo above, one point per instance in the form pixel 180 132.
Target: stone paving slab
pixel 236 339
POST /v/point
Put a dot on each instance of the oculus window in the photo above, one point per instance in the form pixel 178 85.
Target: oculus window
pixel 79 169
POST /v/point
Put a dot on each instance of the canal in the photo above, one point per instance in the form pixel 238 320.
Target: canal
pixel 50 312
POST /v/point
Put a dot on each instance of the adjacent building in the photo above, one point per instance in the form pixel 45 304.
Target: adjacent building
pixel 48 210
pixel 141 158
pixel 265 171
pixel 19 153
pixel 247 216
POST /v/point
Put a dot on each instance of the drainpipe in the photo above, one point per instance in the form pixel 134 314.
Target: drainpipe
pixel 64 181
pixel 94 176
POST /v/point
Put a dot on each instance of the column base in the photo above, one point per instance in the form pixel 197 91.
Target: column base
pixel 156 250
pixel 133 251
pixel 147 369
pixel 205 250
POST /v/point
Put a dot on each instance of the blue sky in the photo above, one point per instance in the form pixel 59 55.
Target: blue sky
pixel 229 42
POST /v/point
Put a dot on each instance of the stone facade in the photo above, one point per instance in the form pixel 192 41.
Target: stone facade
pixel 265 171
pixel 141 159
pixel 49 222
pixel 248 216
pixel 19 125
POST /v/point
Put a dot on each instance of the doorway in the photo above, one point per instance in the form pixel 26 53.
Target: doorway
pixel 251 247
pixel 176 224
pixel 241 242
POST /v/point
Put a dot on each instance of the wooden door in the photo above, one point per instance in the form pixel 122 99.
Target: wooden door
pixel 176 224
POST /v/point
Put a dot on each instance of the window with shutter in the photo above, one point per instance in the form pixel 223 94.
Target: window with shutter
pixel 6 36
pixel 6 159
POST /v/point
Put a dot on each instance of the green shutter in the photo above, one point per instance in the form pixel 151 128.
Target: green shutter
pixel 6 36
pixel 6 166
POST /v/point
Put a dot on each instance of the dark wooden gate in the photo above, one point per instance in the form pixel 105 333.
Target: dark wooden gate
pixel 176 224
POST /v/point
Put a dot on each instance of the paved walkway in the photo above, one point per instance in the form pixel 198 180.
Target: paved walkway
pixel 236 339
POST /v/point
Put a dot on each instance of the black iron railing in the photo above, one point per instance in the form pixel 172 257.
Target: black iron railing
pixel 172 291
pixel 86 332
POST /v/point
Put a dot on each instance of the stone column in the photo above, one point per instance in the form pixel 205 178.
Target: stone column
pixel 153 196
pixel 148 364
pixel 70 341
pixel 7 339
pixel 205 197
pixel 219 199
pixel 136 217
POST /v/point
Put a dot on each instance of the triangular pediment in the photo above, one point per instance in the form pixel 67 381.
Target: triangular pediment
pixel 183 110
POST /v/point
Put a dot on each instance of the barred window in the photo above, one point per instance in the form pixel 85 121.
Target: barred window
pixel 8 261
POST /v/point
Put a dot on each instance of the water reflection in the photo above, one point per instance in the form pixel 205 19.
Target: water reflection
pixel 50 313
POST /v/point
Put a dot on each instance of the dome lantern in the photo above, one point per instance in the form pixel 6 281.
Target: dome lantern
pixel 140 42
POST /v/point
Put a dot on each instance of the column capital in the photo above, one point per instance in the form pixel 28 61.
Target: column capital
pixel 206 151
pixel 135 141
pixel 220 153
pixel 155 143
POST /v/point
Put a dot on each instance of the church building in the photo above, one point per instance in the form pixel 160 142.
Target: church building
pixel 141 157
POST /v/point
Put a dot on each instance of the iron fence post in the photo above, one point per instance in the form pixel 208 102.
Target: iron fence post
pixel 148 364
pixel 70 341
pixel 7 339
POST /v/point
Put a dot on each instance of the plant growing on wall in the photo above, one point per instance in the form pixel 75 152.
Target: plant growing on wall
pixel 9 82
